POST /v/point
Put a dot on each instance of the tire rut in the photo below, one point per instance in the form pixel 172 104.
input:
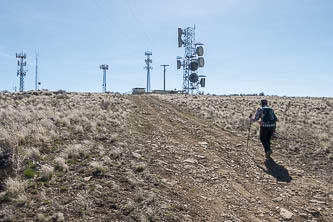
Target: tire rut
pixel 213 174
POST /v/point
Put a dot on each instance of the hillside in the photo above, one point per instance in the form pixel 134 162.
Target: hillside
pixel 111 157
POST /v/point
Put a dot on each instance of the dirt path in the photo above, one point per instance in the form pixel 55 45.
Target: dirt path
pixel 213 178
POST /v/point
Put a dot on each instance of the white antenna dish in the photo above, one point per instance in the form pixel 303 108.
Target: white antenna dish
pixel 179 64
pixel 201 61
pixel 180 41
pixel 203 82
pixel 200 51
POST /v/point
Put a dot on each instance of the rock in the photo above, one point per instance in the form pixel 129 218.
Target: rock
pixel 190 160
pixel 317 202
pixel 238 145
pixel 58 217
pixel 203 143
pixel 171 183
pixel 201 157
pixel 87 178
pixel 285 214
pixel 136 155
pixel 278 199
pixel 314 212
pixel 99 186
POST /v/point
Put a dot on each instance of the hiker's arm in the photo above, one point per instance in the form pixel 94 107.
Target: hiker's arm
pixel 276 119
pixel 257 115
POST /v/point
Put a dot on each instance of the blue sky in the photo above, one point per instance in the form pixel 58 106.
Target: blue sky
pixel 279 47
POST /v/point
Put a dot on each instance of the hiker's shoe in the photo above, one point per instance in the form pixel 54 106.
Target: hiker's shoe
pixel 268 154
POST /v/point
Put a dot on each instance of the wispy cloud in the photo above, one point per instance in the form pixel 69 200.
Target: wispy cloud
pixel 6 55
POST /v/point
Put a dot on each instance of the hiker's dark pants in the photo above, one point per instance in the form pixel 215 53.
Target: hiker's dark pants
pixel 265 137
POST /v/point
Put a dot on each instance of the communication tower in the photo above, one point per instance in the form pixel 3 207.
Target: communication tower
pixel 192 60
pixel 104 67
pixel 148 60
pixel 20 71
pixel 164 66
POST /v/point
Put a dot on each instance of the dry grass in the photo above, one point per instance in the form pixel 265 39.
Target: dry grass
pixel 304 129
pixel 49 133
pixel 32 154
pixel 299 118
pixel 75 151
pixel 14 188
pixel 98 168
pixel 46 172
pixel 60 164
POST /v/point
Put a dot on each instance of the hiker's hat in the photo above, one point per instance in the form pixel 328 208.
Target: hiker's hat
pixel 264 102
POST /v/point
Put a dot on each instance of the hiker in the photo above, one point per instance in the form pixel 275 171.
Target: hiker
pixel 267 125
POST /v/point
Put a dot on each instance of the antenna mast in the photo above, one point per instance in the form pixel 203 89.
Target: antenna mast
pixel 148 67
pixel 164 66
pixel 104 67
pixel 192 60
pixel 20 71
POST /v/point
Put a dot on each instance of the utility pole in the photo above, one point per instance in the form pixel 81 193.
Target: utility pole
pixel 36 73
pixel 20 71
pixel 148 67
pixel 164 66
pixel 104 67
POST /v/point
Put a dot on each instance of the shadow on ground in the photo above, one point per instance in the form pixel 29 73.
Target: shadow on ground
pixel 277 171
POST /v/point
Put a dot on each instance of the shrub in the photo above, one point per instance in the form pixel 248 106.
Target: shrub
pixel 14 188
pixel 32 154
pixel 46 172
pixel 29 173
pixel 97 168
pixel 128 207
pixel 60 164
pixel 75 151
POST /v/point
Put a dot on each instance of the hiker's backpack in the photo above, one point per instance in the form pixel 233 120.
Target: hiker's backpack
pixel 268 116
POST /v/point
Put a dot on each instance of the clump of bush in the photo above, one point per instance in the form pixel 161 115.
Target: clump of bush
pixel 60 164
pixel 32 154
pixel 97 168
pixel 29 172
pixel 14 191
pixel 46 172
pixel 75 151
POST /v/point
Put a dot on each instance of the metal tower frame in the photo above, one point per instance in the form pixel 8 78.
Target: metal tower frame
pixel 20 70
pixel 186 38
pixel 104 67
pixel 148 60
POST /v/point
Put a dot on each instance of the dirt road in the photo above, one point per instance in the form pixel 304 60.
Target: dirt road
pixel 210 176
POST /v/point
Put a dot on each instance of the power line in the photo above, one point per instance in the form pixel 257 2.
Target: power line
pixel 139 24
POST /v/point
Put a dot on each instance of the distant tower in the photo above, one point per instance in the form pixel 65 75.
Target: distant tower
pixel 36 73
pixel 164 66
pixel 20 71
pixel 193 59
pixel 104 67
pixel 148 67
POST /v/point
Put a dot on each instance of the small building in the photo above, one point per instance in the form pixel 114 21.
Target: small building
pixel 138 90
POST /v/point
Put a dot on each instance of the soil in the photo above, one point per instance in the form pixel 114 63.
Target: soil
pixel 171 165
pixel 218 178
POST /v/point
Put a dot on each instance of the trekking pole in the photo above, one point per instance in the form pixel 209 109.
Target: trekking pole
pixel 249 132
